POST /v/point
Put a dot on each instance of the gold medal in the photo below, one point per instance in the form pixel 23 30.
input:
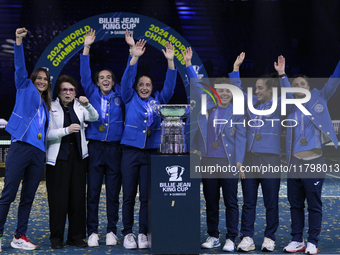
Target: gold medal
pixel 101 128
pixel 148 133
pixel 39 136
pixel 303 141
pixel 258 137
pixel 215 145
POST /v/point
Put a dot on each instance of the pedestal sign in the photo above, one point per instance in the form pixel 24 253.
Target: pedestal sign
pixel 174 206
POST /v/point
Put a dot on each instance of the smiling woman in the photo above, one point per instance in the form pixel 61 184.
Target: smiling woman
pixel 27 126
pixel 104 144
pixel 141 137
pixel 263 148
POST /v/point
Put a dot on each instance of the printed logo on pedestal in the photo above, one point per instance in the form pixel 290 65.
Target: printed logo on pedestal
pixel 175 186
pixel 175 173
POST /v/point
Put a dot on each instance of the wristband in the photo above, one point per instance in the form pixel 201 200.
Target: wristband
pixel 87 46
pixel 282 75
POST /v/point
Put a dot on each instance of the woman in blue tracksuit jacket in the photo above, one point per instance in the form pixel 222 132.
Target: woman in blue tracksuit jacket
pixel 224 145
pixel 304 146
pixel 141 137
pixel 263 149
pixel 27 126
pixel 104 138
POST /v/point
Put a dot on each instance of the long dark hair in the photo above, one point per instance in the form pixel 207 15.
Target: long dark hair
pixel 46 95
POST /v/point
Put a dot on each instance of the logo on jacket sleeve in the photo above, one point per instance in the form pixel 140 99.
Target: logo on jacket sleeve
pixel 175 173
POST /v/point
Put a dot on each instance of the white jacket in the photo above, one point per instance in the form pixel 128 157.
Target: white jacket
pixel 56 128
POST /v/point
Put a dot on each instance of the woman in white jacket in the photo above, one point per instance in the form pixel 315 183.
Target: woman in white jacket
pixel 66 163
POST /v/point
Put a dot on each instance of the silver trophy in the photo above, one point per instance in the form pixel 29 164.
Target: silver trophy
pixel 173 136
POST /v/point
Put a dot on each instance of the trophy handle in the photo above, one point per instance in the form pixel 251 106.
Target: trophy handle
pixel 192 105
pixel 154 106
pixel 167 171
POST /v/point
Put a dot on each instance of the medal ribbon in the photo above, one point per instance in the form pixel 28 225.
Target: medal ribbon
pixel 218 127
pixel 41 116
pixel 103 107
pixel 149 110
pixel 301 123
pixel 261 107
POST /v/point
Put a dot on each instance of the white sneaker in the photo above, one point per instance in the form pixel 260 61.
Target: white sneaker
pixel 268 244
pixel 93 240
pixel 22 243
pixel 311 249
pixel 111 239
pixel 129 242
pixel 229 245
pixel 143 241
pixel 294 246
pixel 211 242
pixel 247 244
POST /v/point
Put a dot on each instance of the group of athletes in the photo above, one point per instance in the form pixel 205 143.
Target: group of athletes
pixel 123 132
pixel 257 145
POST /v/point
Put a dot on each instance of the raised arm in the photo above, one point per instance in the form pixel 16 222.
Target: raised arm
pixel 332 84
pixel 20 33
pixel 171 75
pixel 129 75
pixel 130 41
pixel 90 114
pixel 235 75
pixel 238 62
pixel 187 54
pixel 19 58
pixel 197 88
pixel 280 66
pixel 169 55
pixel 136 50
pixel 89 39
pixel 85 70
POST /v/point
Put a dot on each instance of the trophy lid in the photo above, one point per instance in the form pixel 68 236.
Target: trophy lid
pixel 172 110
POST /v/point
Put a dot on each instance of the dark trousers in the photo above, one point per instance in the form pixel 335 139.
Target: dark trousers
pixel 66 185
pixel 300 189
pixel 135 170
pixel 104 159
pixel 24 162
pixel 211 191
pixel 270 184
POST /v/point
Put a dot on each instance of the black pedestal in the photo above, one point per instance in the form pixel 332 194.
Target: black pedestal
pixel 174 206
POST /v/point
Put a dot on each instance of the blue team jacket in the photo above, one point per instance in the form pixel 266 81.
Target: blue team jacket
pixel 135 131
pixel 233 137
pixel 317 106
pixel 28 99
pixel 114 119
pixel 271 130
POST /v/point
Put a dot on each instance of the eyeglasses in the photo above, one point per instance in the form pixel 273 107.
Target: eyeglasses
pixel 71 91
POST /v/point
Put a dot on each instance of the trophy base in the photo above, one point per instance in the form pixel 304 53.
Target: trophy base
pixel 173 149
